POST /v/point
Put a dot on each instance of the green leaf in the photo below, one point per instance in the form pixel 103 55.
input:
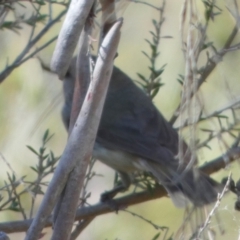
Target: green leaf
pixel 207 45
pixel 154 92
pixel 167 36
pixel 180 81
pixel 153 34
pixel 35 19
pixel 42 150
pixel 14 206
pixel 142 77
pixel 15 209
pixel 154 22
pixel 222 116
pixel 40 2
pixel 153 47
pixel 45 136
pixel 144 53
pixel 32 150
pixel 156 236
pixel 207 146
pixel 34 169
pixel 158 84
pixel 141 84
pixel 206 130
pixel 44 157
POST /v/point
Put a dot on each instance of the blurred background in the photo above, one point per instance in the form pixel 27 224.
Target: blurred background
pixel 31 100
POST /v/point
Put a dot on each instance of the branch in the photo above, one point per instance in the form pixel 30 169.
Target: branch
pixel 19 59
pixel 80 83
pixel 210 215
pixel 68 37
pixel 93 105
pixel 210 66
pixel 129 200
pixel 232 105
pixel 86 125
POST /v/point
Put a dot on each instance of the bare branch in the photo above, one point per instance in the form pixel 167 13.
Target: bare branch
pixel 132 199
pixel 82 80
pixel 86 125
pixel 69 35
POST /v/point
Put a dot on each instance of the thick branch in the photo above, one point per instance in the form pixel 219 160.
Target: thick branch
pixel 135 198
pixel 82 80
pixel 83 133
pixel 69 35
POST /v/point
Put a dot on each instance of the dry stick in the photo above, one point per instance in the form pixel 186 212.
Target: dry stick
pixel 86 125
pixel 212 63
pixel 82 80
pixel 82 77
pixel 69 35
pixel 208 219
pixel 65 209
pixel 108 20
pixel 81 85
pixel 69 201
pixel 90 117
pixel 131 199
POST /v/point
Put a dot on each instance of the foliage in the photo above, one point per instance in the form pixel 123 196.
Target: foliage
pixel 32 17
pixel 195 44
pixel 153 83
pixel 15 190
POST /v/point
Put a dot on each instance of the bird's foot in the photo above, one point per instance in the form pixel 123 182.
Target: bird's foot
pixel 109 195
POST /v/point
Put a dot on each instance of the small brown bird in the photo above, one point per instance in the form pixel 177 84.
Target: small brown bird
pixel 134 136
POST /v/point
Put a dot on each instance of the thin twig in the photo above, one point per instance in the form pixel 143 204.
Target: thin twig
pixel 208 219
pixel 157 227
pixel 146 3
pixel 210 66
pixel 233 105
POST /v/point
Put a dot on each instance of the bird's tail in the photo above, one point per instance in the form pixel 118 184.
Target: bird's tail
pixel 186 186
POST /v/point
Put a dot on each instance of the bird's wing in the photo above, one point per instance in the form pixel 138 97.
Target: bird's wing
pixel 141 131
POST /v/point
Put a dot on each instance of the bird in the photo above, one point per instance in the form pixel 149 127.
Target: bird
pixel 133 136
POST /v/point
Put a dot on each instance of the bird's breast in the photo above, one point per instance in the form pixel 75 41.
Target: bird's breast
pixel 118 160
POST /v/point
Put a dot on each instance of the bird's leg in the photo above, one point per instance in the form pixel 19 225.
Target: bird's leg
pixel 125 183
